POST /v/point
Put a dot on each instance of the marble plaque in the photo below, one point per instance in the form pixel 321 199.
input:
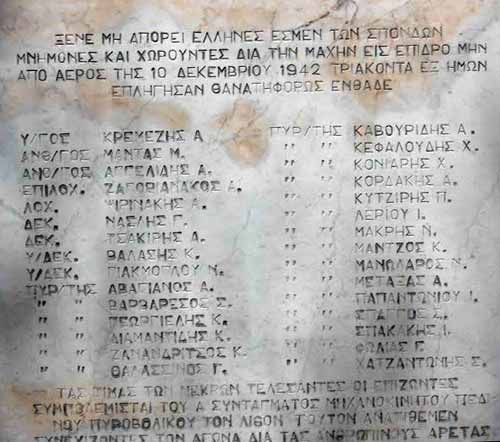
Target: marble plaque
pixel 249 221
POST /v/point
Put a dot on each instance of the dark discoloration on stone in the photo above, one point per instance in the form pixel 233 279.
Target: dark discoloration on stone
pixel 243 132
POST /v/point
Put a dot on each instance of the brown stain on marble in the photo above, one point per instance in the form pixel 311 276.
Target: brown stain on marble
pixel 451 14
pixel 22 398
pixel 173 115
pixel 96 102
pixel 243 132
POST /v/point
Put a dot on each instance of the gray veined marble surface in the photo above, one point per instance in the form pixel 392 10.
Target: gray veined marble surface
pixel 249 221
